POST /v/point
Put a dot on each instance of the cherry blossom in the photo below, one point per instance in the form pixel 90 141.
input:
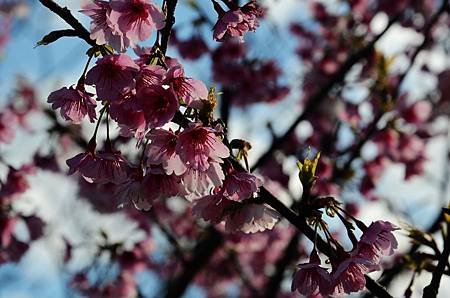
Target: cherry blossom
pixel 113 76
pixel 74 103
pixel 136 19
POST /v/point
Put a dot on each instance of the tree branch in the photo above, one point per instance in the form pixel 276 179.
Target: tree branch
pixel 170 21
pixel 65 14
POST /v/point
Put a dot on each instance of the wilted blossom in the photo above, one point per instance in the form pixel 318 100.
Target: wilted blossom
pixel 102 167
pixel 136 19
pixel 198 146
pixel 7 122
pixel 74 103
pixel 162 151
pixel 113 76
pixel 103 31
pixel 189 90
pixel 311 279
pixel 236 22
pixel 158 104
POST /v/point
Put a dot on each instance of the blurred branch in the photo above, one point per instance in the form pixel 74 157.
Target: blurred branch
pixel 315 100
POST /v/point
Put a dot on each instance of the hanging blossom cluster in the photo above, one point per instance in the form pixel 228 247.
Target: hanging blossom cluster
pixel 183 149
pixel 143 96
pixel 348 271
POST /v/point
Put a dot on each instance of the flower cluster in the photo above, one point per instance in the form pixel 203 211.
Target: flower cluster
pixel 123 23
pixel 348 272
pixel 237 21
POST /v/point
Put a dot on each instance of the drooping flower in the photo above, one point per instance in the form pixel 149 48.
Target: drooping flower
pixel 376 241
pixel 251 218
pixel 237 22
pixel 198 146
pixel 136 19
pixel 311 279
pixel 130 118
pixel 102 167
pixel 103 30
pixel 349 276
pixel 240 185
pixel 158 104
pixel 113 76
pixel 198 182
pixel 74 103
pixel 161 151
pixel 189 90
pixel 149 75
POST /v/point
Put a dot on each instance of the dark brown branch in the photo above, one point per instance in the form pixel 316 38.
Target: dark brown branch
pixel 432 289
pixel 55 35
pixel 67 16
pixel 316 99
pixel 170 21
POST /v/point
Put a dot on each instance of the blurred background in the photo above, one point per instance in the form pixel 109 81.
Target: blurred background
pixel 62 237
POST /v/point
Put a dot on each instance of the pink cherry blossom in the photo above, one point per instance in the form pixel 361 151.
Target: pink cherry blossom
pixel 236 22
pixel 136 19
pixel 74 104
pixel 189 90
pixel 103 31
pixel 113 76
pixel 198 182
pixel 251 218
pixel 192 48
pixel 149 75
pixel 376 241
pixel 158 104
pixel 161 151
pixel 7 122
pixel 240 185
pixel 311 279
pixel 197 145
pixel 130 118
pixel 349 276
pixel 102 167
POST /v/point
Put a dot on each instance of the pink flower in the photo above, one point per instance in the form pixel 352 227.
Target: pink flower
pixel 198 146
pixel 113 76
pixel 236 22
pixel 198 182
pixel 161 151
pixel 375 242
pixel 189 90
pixel 311 279
pixel 75 104
pixel 102 30
pixel 15 184
pixel 7 122
pixel 211 208
pixel 251 218
pixel 149 75
pixel 102 167
pixel 130 118
pixel 136 18
pixel 418 112
pixel 158 104
pixel 349 276
pixel 239 186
